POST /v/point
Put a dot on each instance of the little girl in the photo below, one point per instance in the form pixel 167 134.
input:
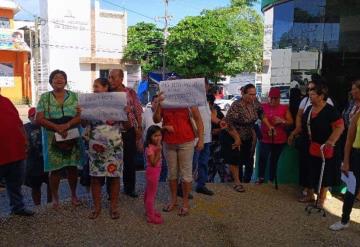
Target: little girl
pixel 153 169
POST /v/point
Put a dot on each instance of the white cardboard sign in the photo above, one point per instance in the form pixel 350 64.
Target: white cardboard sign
pixel 103 106
pixel 183 93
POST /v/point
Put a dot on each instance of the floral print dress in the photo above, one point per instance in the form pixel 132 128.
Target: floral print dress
pixel 105 149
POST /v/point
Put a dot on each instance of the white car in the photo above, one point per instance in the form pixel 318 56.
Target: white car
pixel 225 104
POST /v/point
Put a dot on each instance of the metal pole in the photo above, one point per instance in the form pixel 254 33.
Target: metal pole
pixel 166 18
pixel 36 60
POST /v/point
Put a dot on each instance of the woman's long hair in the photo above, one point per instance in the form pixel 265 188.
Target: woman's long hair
pixel 151 130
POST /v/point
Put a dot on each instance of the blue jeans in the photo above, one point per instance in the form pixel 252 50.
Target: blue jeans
pixel 14 174
pixel 200 162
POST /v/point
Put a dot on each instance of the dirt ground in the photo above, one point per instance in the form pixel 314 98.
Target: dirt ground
pixel 261 216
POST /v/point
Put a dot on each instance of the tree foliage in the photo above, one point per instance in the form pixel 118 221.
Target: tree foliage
pixel 219 42
pixel 145 44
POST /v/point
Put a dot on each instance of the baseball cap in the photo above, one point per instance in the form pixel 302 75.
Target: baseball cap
pixel 32 112
pixel 274 92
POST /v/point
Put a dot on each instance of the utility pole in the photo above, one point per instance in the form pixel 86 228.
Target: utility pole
pixel 166 18
pixel 36 54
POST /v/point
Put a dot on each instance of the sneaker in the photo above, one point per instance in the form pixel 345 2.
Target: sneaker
pixel 338 226
pixel 24 212
pixel 205 191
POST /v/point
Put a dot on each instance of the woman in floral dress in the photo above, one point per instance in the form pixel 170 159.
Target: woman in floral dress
pixel 105 157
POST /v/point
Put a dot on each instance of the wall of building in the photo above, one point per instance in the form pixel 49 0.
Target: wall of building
pixel 22 88
pixel 81 40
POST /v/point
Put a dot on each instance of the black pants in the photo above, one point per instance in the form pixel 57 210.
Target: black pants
pixel 350 198
pixel 302 145
pixel 129 176
pixel 247 160
pixel 272 151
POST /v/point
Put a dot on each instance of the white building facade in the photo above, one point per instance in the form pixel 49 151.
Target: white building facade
pixel 84 41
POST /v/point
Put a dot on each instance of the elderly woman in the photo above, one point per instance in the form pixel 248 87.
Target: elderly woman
pixel 275 137
pixel 351 163
pixel 238 141
pixel 299 136
pixel 58 115
pixel 179 148
pixel 323 125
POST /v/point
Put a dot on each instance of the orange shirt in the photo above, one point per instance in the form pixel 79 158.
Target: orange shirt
pixel 179 119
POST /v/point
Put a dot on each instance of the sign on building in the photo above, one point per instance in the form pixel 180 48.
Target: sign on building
pixel 13 40
pixel 7 75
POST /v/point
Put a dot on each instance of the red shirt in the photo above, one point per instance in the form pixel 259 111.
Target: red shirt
pixel 180 120
pixel 271 112
pixel 12 138
pixel 135 106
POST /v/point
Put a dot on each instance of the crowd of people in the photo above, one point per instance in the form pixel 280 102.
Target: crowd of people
pixel 180 145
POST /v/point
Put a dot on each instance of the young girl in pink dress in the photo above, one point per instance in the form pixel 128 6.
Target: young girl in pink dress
pixel 153 169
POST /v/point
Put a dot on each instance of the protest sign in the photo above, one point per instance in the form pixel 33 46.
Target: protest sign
pixel 183 93
pixel 103 106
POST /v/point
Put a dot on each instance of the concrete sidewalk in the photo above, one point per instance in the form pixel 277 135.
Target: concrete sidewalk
pixel 259 217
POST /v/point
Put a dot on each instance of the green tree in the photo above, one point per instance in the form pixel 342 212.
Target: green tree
pixel 241 3
pixel 219 42
pixel 145 44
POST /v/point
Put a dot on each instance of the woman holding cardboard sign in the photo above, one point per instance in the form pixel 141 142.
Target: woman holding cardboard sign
pixel 179 148
pixel 57 114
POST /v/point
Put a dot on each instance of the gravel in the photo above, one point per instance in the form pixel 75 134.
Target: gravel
pixel 260 216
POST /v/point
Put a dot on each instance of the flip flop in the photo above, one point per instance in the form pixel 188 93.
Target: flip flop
pixel 306 199
pixel 239 188
pixel 169 207
pixel 75 202
pixel 114 214
pixel 94 214
pixel 183 211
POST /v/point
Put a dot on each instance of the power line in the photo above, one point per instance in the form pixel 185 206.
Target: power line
pixel 130 10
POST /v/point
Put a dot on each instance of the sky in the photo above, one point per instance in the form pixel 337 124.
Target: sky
pixel 146 10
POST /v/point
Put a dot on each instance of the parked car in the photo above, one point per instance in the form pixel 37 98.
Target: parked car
pixel 225 104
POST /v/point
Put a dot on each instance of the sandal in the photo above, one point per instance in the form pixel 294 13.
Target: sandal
pixel 183 211
pixel 114 214
pixel 94 214
pixel 239 188
pixel 56 205
pixel 260 181
pixel 75 202
pixel 306 199
pixel 169 207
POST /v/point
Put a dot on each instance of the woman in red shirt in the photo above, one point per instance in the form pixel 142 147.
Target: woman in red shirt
pixel 179 148
pixel 13 145
pixel 275 137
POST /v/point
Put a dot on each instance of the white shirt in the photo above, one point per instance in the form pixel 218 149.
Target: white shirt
pixel 147 121
pixel 305 103
pixel 206 118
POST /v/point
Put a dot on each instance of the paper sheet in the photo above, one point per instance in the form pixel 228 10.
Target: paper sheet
pixel 72 134
pixel 350 181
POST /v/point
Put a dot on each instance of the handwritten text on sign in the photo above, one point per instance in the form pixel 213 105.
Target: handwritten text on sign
pixel 183 93
pixel 103 106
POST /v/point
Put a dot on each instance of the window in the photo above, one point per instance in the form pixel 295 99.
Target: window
pixel 104 73
pixel 4 22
